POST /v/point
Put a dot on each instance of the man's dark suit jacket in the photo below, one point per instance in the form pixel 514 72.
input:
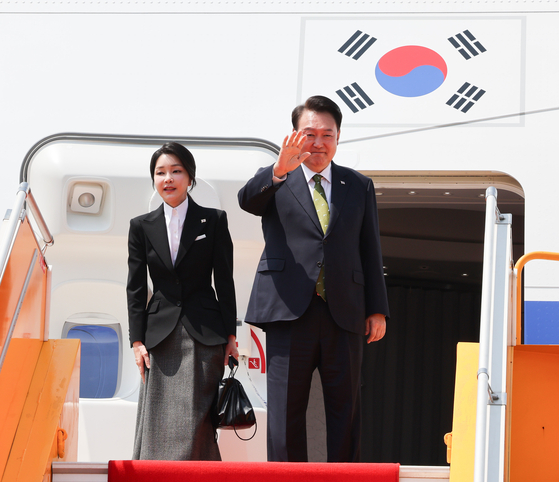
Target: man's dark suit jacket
pixel 182 292
pixel 296 248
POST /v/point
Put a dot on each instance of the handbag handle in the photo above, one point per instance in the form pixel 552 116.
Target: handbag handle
pixel 233 365
pixel 251 437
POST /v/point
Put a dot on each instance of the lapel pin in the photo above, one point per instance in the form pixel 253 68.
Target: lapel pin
pixel 343 182
pixel 202 220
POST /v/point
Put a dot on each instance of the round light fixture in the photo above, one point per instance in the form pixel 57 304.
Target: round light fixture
pixel 86 200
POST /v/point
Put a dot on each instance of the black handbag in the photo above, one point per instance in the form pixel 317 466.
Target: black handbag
pixel 233 409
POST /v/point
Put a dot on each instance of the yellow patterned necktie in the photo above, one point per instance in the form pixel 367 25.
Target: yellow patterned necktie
pixel 321 206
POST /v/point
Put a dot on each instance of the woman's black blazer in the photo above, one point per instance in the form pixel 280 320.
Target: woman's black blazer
pixel 182 292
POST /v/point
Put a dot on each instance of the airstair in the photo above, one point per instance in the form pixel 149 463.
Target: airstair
pixel 39 378
pixel 505 397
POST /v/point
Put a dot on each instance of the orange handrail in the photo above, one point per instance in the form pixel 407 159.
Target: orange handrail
pixel 544 255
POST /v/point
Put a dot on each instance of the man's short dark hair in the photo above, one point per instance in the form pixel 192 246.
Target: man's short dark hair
pixel 317 103
pixel 183 155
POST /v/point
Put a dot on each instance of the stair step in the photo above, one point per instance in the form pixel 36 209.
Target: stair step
pixel 97 472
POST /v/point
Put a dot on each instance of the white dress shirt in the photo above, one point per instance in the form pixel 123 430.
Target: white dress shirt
pixel 174 220
pixel 326 180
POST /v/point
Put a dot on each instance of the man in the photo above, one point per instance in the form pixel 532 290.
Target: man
pixel 320 284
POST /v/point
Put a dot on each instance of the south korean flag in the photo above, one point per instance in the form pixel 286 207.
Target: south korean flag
pixel 416 71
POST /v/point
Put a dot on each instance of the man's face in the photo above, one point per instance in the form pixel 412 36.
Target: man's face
pixel 322 138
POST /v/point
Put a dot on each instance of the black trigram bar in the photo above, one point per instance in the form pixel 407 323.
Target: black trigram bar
pixel 355 97
pixel 467 44
pixel 355 42
pixel 465 97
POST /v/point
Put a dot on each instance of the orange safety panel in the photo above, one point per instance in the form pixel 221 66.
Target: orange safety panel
pixel 31 317
pixel 534 412
pixel 52 401
pixel 27 337
pixel 15 379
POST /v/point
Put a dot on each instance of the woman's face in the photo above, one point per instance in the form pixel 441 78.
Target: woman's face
pixel 171 179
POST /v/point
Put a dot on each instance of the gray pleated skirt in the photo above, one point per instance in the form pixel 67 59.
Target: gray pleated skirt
pixel 174 420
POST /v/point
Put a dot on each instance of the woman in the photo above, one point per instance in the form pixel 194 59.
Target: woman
pixel 184 336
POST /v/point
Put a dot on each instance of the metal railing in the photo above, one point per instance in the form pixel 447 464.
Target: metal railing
pixel 541 255
pixel 16 217
pixel 496 305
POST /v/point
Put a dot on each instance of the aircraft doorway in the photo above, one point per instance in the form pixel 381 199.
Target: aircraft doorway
pixel 432 230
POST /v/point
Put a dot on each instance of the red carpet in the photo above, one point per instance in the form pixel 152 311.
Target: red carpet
pixel 154 471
